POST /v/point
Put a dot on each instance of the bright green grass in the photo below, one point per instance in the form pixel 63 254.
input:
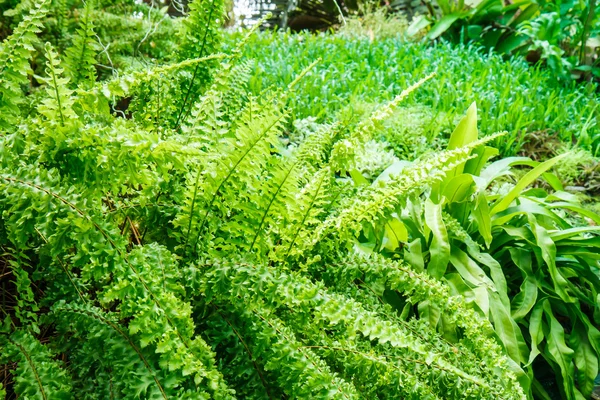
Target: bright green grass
pixel 510 95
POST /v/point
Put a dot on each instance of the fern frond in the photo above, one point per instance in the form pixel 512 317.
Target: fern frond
pixel 240 280
pixel 159 317
pixel 344 151
pixel 26 307
pixel 81 56
pixel 200 36
pixel 38 375
pixel 120 353
pixel 304 215
pixel 418 287
pixel 380 199
pixel 15 53
pixel 59 104
pixel 231 177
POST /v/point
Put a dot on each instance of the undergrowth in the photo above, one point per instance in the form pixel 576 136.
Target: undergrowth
pixel 164 236
pixel 511 95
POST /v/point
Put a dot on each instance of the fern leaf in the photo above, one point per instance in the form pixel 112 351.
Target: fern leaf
pixel 200 37
pixel 81 56
pixel 230 178
pixel 15 53
pixel 38 375
pixel 120 353
pixel 59 104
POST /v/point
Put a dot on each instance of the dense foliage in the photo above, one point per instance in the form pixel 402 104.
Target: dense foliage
pixel 561 35
pixel 165 234
pixel 510 95
pixel 513 252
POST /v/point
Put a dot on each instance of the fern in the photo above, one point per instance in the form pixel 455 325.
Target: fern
pixel 203 255
pixel 277 289
pixel 37 374
pixel 81 56
pixel 200 37
pixel 59 101
pixel 14 63
pixel 94 328
pixel 236 158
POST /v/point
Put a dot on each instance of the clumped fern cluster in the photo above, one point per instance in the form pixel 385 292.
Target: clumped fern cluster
pixel 179 249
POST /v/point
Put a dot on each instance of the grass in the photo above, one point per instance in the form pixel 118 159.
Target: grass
pixel 510 95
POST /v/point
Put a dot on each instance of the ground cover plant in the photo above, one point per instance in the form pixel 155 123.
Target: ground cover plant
pixel 165 235
pixel 510 95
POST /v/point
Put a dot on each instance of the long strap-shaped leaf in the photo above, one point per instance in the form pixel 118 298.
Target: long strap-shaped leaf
pixel 528 179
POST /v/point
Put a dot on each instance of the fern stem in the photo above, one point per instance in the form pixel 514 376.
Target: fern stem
pixel 31 365
pixel 55 84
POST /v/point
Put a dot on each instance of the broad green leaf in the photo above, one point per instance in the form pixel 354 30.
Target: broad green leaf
pixel 442 25
pixel 536 330
pixel 414 256
pixel 358 178
pixel 578 209
pixel 558 235
pixel 466 130
pixel 510 42
pixel 560 352
pixel 395 233
pixel 528 179
pixel 439 249
pixel 475 165
pixel 500 168
pixel 481 212
pixel 496 273
pixel 553 180
pixel 468 269
pixel 459 188
pixel 418 24
pixel 548 248
pixel 525 15
pixel 586 359
pixel 429 312
pixel 508 331
pixel 503 218
pixel 524 301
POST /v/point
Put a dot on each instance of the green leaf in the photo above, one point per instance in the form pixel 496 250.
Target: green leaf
pixel 560 352
pixel 459 189
pixel 481 212
pixel 586 359
pixel 418 24
pixel 549 255
pixel 484 153
pixel 439 249
pixel 507 329
pixel 414 256
pixel 525 300
pixel 443 24
pixel 536 331
pixel 528 179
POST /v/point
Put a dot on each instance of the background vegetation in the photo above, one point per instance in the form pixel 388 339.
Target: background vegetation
pixel 187 213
